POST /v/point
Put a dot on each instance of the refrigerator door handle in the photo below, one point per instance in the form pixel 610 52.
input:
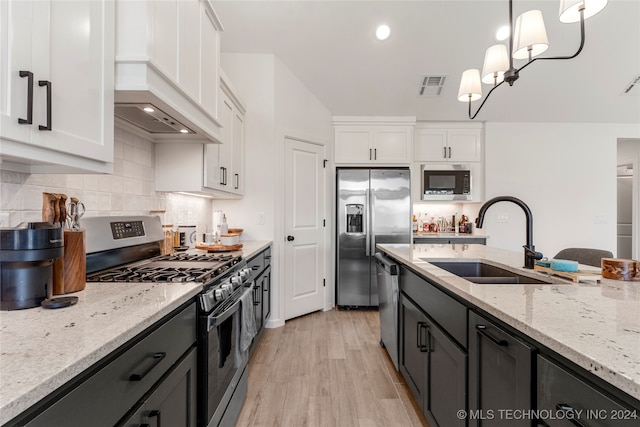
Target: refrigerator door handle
pixel 372 221
pixel 367 223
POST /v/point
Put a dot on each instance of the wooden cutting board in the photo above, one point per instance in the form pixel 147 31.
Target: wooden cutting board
pixel 218 248
pixel 575 276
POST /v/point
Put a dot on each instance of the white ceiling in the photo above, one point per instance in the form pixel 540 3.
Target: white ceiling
pixel 330 46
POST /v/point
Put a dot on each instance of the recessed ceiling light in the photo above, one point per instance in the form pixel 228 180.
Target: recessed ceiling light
pixel 382 32
pixel 503 33
pixel 184 131
pixel 148 109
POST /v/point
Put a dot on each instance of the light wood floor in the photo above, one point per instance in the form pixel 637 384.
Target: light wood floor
pixel 327 369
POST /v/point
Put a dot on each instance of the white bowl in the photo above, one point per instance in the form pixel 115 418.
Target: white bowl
pixel 229 239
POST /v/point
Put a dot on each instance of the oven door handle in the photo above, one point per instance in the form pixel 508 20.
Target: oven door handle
pixel 215 320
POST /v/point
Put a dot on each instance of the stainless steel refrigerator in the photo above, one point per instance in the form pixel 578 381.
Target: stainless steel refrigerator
pixel 373 206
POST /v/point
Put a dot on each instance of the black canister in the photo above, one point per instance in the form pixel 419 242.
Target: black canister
pixel 27 254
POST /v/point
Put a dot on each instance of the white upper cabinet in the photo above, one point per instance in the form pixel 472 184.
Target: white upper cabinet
pixel 373 140
pixel 216 170
pixel 57 80
pixel 168 55
pixel 447 143
pixel 224 163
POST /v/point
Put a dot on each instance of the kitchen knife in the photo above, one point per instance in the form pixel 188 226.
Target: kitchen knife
pixel 63 210
pixel 48 210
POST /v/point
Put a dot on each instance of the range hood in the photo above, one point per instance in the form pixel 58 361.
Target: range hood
pixel 151 119
pixel 163 119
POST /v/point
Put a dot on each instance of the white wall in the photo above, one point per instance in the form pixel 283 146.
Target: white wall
pixel 566 174
pixel 277 103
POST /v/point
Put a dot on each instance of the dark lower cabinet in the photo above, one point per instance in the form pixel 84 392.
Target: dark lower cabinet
pixel 566 400
pixel 500 367
pixel 266 294
pixel 173 402
pixel 434 365
pixel 413 349
pixel 260 266
pixel 126 378
pixel 258 303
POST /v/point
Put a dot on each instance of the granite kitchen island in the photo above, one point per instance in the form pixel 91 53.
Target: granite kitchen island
pixel 595 326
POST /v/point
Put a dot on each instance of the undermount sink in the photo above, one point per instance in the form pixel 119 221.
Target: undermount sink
pixel 482 273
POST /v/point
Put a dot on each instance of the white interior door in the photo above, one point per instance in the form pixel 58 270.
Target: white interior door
pixel 304 212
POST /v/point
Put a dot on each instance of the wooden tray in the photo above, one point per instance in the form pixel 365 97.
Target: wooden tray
pixel 575 276
pixel 218 248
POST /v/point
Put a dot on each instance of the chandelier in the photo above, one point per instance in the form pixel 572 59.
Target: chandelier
pixel 528 40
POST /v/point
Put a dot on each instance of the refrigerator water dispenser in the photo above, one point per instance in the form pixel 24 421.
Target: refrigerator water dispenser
pixel 354 218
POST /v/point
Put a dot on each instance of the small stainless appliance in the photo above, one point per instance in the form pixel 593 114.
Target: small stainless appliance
pixel 127 249
pixel 27 254
pixel 446 182
pixel 388 294
pixel 373 206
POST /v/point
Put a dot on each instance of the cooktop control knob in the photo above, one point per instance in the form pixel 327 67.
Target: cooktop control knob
pixel 218 295
pixel 235 280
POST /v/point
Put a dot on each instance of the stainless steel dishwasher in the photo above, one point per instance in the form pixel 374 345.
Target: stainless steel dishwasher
pixel 387 277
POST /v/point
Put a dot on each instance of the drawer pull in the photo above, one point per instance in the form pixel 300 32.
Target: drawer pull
pixel 156 358
pixel 570 414
pixel 482 330
pixel 156 413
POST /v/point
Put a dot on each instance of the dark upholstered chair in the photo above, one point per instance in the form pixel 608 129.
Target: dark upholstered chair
pixel 584 256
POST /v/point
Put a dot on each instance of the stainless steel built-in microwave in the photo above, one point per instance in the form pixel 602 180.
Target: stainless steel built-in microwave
pixel 446 182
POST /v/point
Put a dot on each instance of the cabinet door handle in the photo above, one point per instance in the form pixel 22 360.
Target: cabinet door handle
pixel 422 347
pixel 568 409
pixel 482 330
pixel 255 298
pixel 156 413
pixel 221 175
pixel 370 154
pixel 237 177
pixel 444 150
pixel 29 119
pixel 156 358
pixel 449 152
pixel 48 86
pixel 375 154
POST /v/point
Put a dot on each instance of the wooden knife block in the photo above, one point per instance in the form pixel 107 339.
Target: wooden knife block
pixel 69 273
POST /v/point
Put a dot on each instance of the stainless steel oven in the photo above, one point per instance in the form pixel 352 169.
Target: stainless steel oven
pixel 222 362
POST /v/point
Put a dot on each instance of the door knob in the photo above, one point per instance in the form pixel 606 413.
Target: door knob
pixel 290 238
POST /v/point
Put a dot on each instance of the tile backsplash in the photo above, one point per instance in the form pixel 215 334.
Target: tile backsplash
pixel 128 191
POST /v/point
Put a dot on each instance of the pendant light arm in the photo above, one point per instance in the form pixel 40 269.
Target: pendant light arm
pixel 483 101
pixel 582 38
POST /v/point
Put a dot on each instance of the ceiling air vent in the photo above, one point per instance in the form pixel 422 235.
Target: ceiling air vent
pixel 633 88
pixel 431 86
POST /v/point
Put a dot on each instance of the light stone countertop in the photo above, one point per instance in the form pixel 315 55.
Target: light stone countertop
pixel 41 350
pixel 597 326
pixel 423 235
